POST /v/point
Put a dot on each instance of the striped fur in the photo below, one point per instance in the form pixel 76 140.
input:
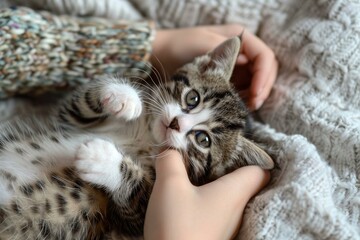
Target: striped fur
pixel 88 170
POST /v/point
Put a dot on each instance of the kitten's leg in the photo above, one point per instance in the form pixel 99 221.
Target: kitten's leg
pixel 95 102
pixel 129 183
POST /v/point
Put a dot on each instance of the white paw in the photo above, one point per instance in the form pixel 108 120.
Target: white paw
pixel 98 162
pixel 122 101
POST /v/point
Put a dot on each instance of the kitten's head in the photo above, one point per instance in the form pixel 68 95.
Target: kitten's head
pixel 199 113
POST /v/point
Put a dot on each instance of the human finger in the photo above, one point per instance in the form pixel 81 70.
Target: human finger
pixel 261 70
pixel 170 164
pixel 261 58
pixel 242 59
pixel 255 102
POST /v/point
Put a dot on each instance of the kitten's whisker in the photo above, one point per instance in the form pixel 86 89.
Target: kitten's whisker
pixel 164 143
pixel 154 83
pixel 164 72
pixel 164 153
pixel 157 92
pixel 156 107
pixel 159 87
pixel 153 70
pixel 161 154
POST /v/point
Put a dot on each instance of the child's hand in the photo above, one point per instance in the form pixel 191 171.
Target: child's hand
pixel 179 210
pixel 175 47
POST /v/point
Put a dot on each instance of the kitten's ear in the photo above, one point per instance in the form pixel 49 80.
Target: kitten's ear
pixel 223 57
pixel 248 153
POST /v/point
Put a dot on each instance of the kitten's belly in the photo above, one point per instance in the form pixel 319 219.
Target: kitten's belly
pixel 28 159
pixel 43 182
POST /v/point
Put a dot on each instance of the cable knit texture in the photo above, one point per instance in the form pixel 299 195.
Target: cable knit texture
pixel 312 118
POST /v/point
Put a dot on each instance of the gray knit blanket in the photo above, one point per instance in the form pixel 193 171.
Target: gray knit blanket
pixel 310 123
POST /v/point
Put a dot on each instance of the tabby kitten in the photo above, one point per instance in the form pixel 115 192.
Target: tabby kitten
pixel 88 170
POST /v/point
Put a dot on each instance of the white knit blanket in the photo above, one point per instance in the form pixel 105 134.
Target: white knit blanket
pixel 312 118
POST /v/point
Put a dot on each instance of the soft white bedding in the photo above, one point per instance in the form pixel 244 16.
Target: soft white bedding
pixel 312 118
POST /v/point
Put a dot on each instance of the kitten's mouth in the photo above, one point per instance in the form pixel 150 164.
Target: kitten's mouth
pixel 163 130
pixel 166 131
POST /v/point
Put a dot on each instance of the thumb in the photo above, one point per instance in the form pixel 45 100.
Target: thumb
pixel 169 164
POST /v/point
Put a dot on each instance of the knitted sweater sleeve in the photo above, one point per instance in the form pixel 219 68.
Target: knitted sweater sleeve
pixel 41 52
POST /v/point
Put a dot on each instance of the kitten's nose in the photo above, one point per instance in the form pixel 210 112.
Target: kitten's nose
pixel 174 124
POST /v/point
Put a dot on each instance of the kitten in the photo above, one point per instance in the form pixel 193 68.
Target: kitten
pixel 88 170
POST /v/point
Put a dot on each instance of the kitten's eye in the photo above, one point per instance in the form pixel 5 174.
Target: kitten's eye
pixel 192 99
pixel 203 139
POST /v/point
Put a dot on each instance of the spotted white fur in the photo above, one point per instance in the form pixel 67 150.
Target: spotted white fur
pixel 98 162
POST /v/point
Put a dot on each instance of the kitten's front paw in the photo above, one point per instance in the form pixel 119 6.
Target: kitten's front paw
pixel 122 101
pixel 98 162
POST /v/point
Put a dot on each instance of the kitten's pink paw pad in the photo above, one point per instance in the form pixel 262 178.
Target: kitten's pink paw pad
pixel 122 101
pixel 98 162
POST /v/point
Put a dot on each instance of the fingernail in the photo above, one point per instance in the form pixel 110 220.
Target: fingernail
pixel 242 59
pixel 259 91
pixel 258 104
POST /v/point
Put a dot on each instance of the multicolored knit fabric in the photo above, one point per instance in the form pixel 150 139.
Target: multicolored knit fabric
pixel 40 51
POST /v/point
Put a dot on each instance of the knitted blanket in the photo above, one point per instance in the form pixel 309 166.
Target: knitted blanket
pixel 310 123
